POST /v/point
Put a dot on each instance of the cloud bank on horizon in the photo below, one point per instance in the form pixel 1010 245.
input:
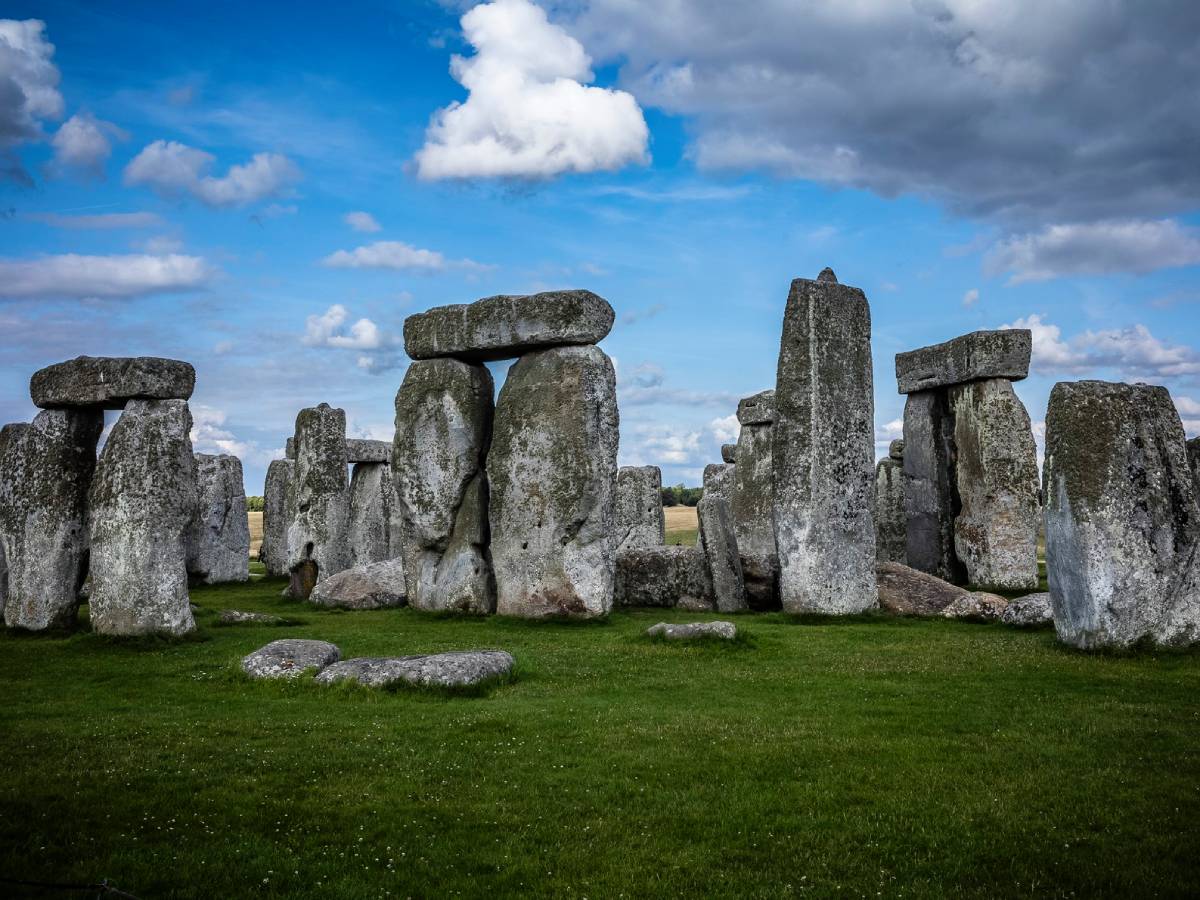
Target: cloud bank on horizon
pixel 971 163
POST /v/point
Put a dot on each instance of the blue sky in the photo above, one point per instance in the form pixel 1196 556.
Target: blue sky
pixel 268 194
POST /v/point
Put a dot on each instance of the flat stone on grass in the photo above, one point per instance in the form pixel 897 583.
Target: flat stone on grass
pixel 290 658
pixel 1029 611
pixel 455 669
pixel 725 631
pixel 238 617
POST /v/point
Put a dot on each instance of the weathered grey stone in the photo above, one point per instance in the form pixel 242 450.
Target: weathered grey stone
pixel 454 669
pixel 443 426
pixel 996 474
pixel 1029 611
pixel 45 473
pixel 3 579
pixel 718 542
pixel 890 529
pixel 108 382
pixel 663 576
pixel 359 450
pixel 688 603
pixel 752 503
pixel 896 450
pixel 757 409
pixel 142 503
pixel 373 507
pixel 238 617
pixel 278 510
pixel 506 326
pixel 907 592
pixel 289 448
pixel 824 451
pixel 930 492
pixel 761 574
pixel 318 541
pixel 219 536
pixel 725 631
pixel 290 658
pixel 729 453
pixel 1122 523
pixel 552 470
pixel 640 521
pixel 971 357
pixel 719 479
pixel 371 586
pixel 1193 454
pixel 978 606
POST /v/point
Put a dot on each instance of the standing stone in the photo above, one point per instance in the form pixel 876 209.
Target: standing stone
pixel 752 504
pixel 143 500
pixel 890 529
pixel 219 538
pixel 995 531
pixel 108 382
pixel 45 472
pixel 640 520
pixel 553 474
pixel 718 540
pixel 317 540
pixel 1193 453
pixel 372 506
pixel 443 427
pixel 719 479
pixel 663 576
pixel 824 450
pixel 729 453
pixel 278 510
pixel 1122 523
pixel 931 500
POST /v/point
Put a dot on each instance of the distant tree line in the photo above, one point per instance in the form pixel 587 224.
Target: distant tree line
pixel 681 496
pixel 254 504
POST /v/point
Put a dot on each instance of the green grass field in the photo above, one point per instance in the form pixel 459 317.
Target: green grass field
pixel 868 757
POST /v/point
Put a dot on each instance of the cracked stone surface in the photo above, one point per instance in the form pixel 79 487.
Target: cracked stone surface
pixel 453 669
pixel 640 520
pixel 219 536
pixel 663 576
pixel 724 630
pixel 290 658
pixel 278 509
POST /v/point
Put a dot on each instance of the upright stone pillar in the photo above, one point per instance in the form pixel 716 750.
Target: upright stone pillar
pixel 1122 522
pixel 752 500
pixel 318 545
pixel 931 500
pixel 372 502
pixel 443 428
pixel 46 470
pixel 824 458
pixel 719 479
pixel 553 471
pixel 890 530
pixel 1193 453
pixel 640 520
pixel 718 541
pixel 143 500
pixel 278 511
pixel 219 538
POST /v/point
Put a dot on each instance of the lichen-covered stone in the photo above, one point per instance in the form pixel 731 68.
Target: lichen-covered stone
pixel 719 479
pixel 640 521
pixel 142 504
pixel 824 451
pixel 443 427
pixel 908 592
pixel 371 586
pixel 45 474
pixel 290 658
pixel 109 382
pixel 996 474
pixel 718 542
pixel 729 453
pixel 725 631
pixel 454 669
pixel 761 574
pixel 359 450
pixel 1193 454
pixel 976 606
pixel 896 450
pixel 890 529
pixel 757 409
pixel 3 579
pixel 663 576
pixel 239 617
pixel 219 536
pixel 373 507
pixel 752 503
pixel 1029 611
pixel 1122 522
pixel 318 541
pixel 930 491
pixel 278 509
pixel 553 472
pixel 971 357
pixel 506 326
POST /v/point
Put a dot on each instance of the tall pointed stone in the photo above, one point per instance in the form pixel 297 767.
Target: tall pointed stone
pixel 823 457
pixel 143 499
pixel 318 544
pixel 553 474
pixel 219 538
pixel 45 473
pixel 443 427
pixel 372 506
pixel 640 520
pixel 278 510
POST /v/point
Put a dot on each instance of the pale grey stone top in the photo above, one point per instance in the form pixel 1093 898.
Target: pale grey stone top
pixel 757 409
pixel 506 326
pixel 972 357
pixel 110 382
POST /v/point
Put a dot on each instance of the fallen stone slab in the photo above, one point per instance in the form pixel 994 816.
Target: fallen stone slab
pixel 907 592
pixel 757 409
pixel 238 617
pixel 971 357
pixel 720 547
pixel 729 453
pixel 219 535
pixel 506 326
pixel 290 658
pixel 359 450
pixel 977 606
pixel 1029 611
pixel 640 521
pixel 110 382
pixel 372 586
pixel 725 631
pixel 662 576
pixel 454 669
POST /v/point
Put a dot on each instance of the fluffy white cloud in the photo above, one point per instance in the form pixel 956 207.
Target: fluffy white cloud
pixel 28 90
pixel 74 275
pixel 970 298
pixel 171 169
pixel 1097 248
pixel 395 255
pixel 726 429
pixel 1189 412
pixel 82 143
pixel 209 435
pixel 529 112
pixel 362 221
pixel 1132 352
pixel 378 351
pixel 101 221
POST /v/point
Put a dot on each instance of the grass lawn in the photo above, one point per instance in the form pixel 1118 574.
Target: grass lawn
pixel 852 758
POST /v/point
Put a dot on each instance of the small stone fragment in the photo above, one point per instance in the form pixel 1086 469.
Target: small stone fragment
pixel 729 453
pixel 1029 611
pixel 290 658
pixel 219 536
pixel 109 382
pixel 720 547
pixel 907 592
pixel 757 409
pixel 663 576
pixel 640 521
pixel 454 669
pixel 318 540
pixel 978 606
pixel 725 631
pixel 971 357
pixel 238 617
pixel 278 509
pixel 896 450
pixel 372 586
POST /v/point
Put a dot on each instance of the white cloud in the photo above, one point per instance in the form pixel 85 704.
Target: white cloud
pixel 171 169
pixel 160 244
pixel 970 298
pixel 209 435
pixel 726 429
pixel 889 431
pixel 82 143
pixel 1189 413
pixel 28 80
pixel 395 255
pixel 1098 248
pixel 362 221
pixel 529 113
pixel 74 275
pixel 101 221
pixel 1132 351
pixel 378 351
